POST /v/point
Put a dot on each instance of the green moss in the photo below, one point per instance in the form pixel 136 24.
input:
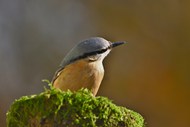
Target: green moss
pixel 57 108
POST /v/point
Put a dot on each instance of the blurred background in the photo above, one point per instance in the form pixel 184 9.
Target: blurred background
pixel 150 74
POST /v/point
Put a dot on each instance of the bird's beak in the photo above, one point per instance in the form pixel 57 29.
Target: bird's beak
pixel 115 44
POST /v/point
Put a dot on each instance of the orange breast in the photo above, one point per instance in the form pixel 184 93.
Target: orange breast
pixel 80 74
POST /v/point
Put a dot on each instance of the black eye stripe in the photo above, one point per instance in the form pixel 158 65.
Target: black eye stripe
pixel 95 52
pixel 90 54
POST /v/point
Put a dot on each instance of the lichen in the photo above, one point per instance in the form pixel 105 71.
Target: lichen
pixel 70 109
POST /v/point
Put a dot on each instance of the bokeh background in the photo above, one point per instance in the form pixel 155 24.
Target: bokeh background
pixel 150 74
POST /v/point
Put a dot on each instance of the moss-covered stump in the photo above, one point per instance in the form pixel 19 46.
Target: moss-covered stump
pixel 54 108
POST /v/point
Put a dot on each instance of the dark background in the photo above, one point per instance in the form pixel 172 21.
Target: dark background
pixel 150 74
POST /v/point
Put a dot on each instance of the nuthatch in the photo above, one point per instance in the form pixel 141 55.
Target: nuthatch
pixel 82 67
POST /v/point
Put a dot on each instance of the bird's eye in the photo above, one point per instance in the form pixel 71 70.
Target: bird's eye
pixel 93 57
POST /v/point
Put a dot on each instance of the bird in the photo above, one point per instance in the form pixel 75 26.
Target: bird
pixel 83 67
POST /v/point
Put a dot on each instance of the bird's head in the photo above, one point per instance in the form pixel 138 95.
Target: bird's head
pixel 92 49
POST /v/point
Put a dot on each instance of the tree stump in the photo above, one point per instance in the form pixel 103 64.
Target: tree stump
pixel 55 108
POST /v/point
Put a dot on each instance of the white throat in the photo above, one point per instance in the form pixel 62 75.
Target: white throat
pixel 103 55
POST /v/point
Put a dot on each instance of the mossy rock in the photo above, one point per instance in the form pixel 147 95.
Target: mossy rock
pixel 55 108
